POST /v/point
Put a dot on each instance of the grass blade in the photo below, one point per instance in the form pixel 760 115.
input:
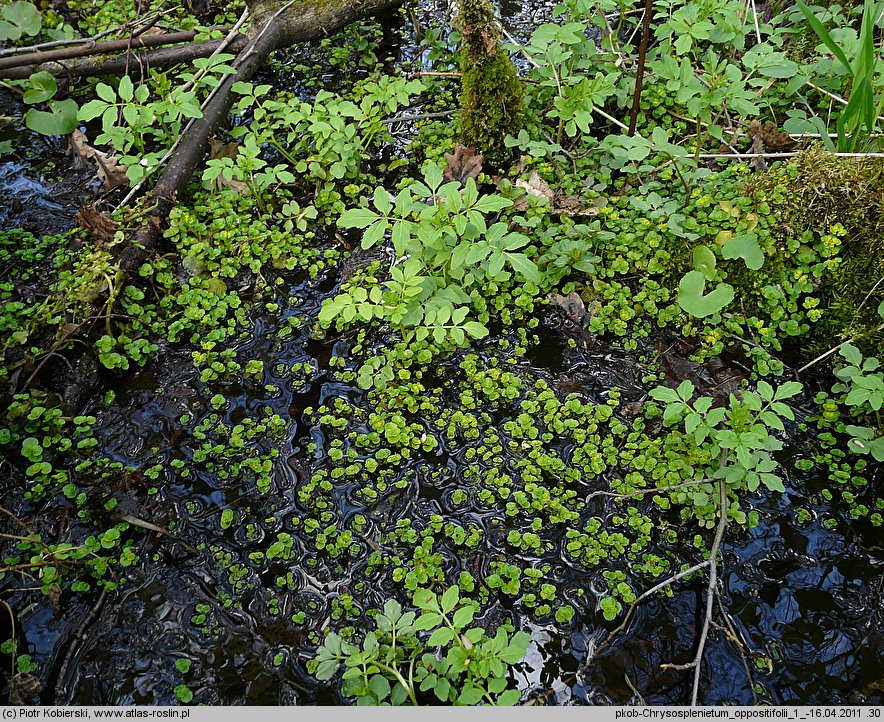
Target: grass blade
pixel 823 34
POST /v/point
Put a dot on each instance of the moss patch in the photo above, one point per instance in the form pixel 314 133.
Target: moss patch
pixel 816 194
pixel 491 98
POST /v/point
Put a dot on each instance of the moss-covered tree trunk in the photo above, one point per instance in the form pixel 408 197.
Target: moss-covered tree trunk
pixel 491 98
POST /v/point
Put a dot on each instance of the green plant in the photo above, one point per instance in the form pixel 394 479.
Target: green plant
pixel 395 661
pixel 60 119
pixel 858 119
pixel 862 392
pixel 449 254
pixel 692 285
pixel 134 124
pixel 562 57
pixel 19 18
pixel 737 438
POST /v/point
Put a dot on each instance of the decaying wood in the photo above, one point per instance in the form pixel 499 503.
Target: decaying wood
pixel 32 62
pixel 121 64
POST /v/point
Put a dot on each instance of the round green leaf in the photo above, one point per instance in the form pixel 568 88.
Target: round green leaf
pixel 704 261
pixel 19 18
pixel 692 300
pixel 745 246
pixel 60 120
pixel 41 87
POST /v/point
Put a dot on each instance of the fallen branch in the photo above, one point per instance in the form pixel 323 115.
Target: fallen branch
pixel 29 61
pixel 120 64
pixel 142 23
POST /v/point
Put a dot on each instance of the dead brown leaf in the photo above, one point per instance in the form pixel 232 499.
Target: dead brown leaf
pixel 218 149
pixel 23 688
pixel 107 170
pixel 754 132
pixel 562 205
pixel 54 595
pixel 79 149
pixel 767 139
pixel 572 206
pixel 717 377
pixel 95 224
pixel 572 305
pixel 462 164
pixel 775 139
pixel 537 187
pixel 490 42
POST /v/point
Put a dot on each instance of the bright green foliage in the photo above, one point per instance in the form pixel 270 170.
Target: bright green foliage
pixel 450 254
pixel 569 90
pixel 491 94
pixel 41 87
pixel 835 206
pixel 19 18
pixel 140 128
pixel 460 664
pixel 324 142
pixel 738 437
pixel 692 299
pixel 859 118
pixel 60 119
pixel 862 391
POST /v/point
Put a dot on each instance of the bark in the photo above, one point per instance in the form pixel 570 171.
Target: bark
pixel 121 64
pixel 31 62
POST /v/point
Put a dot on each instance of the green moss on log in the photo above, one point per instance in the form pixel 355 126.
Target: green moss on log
pixel 818 191
pixel 491 95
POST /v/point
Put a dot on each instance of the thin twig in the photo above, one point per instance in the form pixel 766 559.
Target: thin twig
pixel 836 98
pixel 419 116
pixel 58 344
pixel 612 16
pixel 18 521
pixel 628 616
pixel 640 71
pixel 755 18
pixel 12 635
pixel 738 640
pixel 27 50
pixel 713 581
pixel 148 526
pixel 234 31
pixel 824 356
pixel 434 74
pixel 785 154
pixel 78 637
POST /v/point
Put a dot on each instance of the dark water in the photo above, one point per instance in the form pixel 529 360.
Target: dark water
pixel 805 596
